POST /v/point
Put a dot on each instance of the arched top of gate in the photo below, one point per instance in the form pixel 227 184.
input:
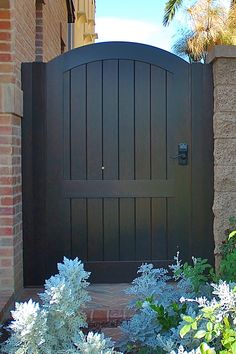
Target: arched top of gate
pixel 123 51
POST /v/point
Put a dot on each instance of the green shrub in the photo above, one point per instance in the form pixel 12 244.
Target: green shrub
pixel 228 253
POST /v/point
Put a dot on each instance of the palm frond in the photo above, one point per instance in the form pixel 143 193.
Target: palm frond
pixel 170 10
pixel 209 24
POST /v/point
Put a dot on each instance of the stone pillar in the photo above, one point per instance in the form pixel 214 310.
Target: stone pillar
pixel 223 59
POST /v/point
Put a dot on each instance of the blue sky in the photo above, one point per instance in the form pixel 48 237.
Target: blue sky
pixel 137 21
pixel 133 20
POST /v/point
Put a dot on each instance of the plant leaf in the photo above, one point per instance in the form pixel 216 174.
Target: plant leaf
pixel 200 334
pixel 232 234
pixel 184 330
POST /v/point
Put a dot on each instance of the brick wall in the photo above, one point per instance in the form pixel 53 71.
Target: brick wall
pixel 54 28
pixel 18 43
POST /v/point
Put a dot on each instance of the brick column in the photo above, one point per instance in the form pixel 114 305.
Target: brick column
pixel 11 269
pixel 224 69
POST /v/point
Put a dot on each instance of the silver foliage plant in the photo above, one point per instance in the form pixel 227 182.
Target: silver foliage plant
pixel 55 325
pixel 155 285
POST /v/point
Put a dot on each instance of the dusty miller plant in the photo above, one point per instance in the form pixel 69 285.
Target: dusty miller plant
pixel 155 326
pixel 54 326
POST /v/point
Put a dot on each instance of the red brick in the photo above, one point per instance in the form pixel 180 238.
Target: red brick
pixel 7 79
pixel 4 171
pixel 6 211
pixel 39 43
pixel 5 160
pixel 6 221
pixel 5 57
pixel 5 47
pixel 39 29
pixel 5 181
pixel 5 4
pixel 101 315
pixel 6 262
pixel 8 201
pixel 6 68
pixel 5 36
pixel 6 231
pixel 5 14
pixel 6 252
pixel 6 190
pixel 9 119
pixel 6 140
pixel 5 25
pixel 39 36
pixel 5 130
pixel 5 150
pixel 39 14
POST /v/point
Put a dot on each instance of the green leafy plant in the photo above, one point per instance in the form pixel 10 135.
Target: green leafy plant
pixel 228 253
pixel 199 273
pixel 215 323
pixel 169 317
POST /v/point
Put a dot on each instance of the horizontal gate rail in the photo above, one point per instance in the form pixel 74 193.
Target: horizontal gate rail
pixel 118 189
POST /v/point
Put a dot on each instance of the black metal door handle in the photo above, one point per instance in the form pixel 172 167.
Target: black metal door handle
pixel 182 154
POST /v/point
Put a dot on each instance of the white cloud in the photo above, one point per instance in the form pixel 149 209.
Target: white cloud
pixel 130 30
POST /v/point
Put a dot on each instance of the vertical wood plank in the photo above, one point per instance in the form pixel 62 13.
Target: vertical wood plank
pixel 126 119
pixel 94 120
pixel 111 229
pixel 95 229
pixel 143 229
pixel 127 229
pixel 126 157
pixel 110 119
pixel 158 161
pixel 142 121
pixel 79 229
pixel 66 125
pixel 159 229
pixel 78 123
pixel 158 123
pixel 142 157
pixel 110 157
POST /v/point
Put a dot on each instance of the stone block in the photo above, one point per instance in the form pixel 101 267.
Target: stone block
pixel 224 70
pixel 11 99
pixel 225 152
pixel 225 98
pixel 225 178
pixel 224 125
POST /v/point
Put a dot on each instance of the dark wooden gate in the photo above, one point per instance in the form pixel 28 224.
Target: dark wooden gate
pixel 101 177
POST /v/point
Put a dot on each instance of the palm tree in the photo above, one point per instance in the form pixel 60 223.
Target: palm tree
pixel 209 24
pixel 171 8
